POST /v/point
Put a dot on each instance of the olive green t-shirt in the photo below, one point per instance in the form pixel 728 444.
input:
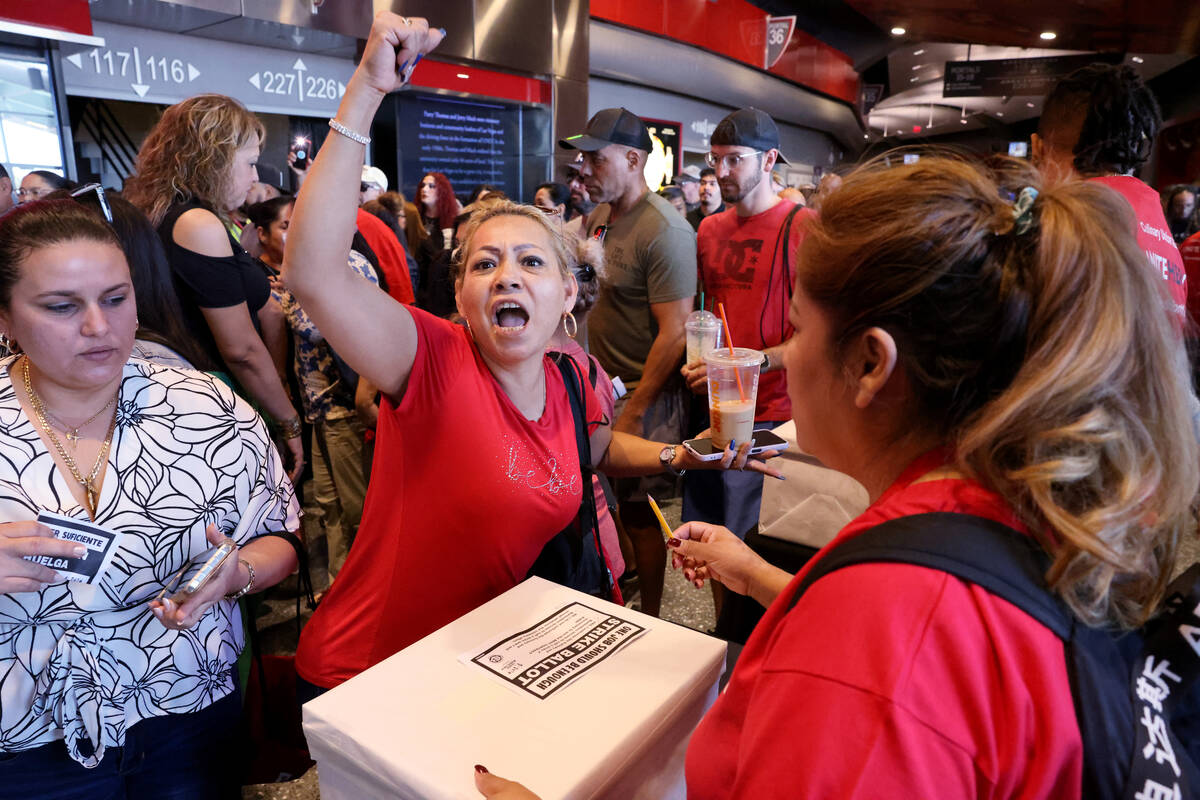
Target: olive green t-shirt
pixel 649 257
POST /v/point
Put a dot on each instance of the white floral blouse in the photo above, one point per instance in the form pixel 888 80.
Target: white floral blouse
pixel 83 663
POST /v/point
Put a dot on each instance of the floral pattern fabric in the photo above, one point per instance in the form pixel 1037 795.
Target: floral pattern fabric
pixel 83 662
pixel 325 395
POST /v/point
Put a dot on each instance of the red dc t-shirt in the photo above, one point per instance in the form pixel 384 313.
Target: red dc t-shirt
pixel 1154 236
pixel 1190 252
pixel 892 680
pixel 741 263
pixel 464 493
pixel 392 261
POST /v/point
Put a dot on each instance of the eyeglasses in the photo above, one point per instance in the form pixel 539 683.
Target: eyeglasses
pixel 32 194
pixel 105 209
pixel 730 161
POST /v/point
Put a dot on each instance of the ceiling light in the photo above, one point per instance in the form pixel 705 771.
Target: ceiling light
pixel 917 66
pixel 918 52
pixel 1030 105
pixel 913 79
pixel 999 113
pixel 463 75
pixel 898 31
pixel 1136 59
pixel 1049 35
pixel 866 136
pixel 963 121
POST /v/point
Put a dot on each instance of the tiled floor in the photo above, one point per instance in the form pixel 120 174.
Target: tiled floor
pixel 682 603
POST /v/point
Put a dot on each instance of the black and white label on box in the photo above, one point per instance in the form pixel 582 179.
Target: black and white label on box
pixel 100 542
pixel 556 651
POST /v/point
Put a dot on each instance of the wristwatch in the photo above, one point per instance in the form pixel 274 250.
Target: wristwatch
pixel 666 457
pixel 766 363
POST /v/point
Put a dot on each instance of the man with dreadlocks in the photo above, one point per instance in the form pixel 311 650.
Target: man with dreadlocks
pixel 1099 123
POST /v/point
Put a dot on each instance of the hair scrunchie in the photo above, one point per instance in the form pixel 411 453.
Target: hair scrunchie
pixel 1023 210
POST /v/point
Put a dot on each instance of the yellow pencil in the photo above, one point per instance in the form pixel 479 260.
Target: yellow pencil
pixel 661 520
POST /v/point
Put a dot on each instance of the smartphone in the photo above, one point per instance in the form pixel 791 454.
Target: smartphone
pixel 192 578
pixel 704 449
pixel 300 148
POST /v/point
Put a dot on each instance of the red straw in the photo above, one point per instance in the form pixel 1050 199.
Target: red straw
pixel 737 373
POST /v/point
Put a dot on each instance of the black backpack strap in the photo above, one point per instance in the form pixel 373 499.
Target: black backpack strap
pixel 787 254
pixel 573 379
pixel 1131 749
pixel 304 591
pixel 989 554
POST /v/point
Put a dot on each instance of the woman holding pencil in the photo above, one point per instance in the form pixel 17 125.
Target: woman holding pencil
pixel 476 465
pixel 993 361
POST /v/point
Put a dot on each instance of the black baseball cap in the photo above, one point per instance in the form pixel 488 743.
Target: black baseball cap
pixel 748 127
pixel 610 126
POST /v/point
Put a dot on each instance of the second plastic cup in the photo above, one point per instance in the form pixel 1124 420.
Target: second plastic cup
pixel 703 334
pixel 730 408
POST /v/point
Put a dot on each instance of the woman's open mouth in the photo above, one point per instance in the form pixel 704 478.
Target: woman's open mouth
pixel 509 317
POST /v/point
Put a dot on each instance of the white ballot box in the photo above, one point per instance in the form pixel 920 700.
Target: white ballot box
pixel 568 694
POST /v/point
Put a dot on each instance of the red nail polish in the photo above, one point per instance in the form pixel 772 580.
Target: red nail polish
pixel 672 542
pixel 481 769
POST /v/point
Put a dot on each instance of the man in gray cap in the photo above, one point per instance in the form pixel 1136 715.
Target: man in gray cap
pixel 688 181
pixel 636 329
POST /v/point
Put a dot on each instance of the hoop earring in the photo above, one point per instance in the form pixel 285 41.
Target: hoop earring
pixel 9 344
pixel 570 326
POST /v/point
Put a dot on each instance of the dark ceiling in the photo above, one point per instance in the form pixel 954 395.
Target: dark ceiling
pixel 860 28
pixel 1137 26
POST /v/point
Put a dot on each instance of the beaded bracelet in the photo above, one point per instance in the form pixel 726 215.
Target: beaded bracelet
pixel 349 134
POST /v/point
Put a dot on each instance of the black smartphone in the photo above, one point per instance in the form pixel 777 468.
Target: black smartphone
pixel 704 449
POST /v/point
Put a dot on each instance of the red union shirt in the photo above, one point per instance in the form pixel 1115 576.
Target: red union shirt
pixel 464 493
pixel 892 680
pixel 1190 252
pixel 741 263
pixel 1154 236
pixel 392 260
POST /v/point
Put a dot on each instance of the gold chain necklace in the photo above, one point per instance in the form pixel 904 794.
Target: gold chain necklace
pixel 88 483
pixel 72 432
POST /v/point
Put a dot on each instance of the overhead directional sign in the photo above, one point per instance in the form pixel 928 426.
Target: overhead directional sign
pixel 159 67
pixel 1008 77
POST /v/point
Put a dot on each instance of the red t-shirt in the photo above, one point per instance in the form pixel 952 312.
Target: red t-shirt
pixel 892 680
pixel 1189 251
pixel 390 253
pixel 464 493
pixel 741 262
pixel 1154 236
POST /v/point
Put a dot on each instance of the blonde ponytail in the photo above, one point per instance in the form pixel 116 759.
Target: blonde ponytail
pixel 1043 351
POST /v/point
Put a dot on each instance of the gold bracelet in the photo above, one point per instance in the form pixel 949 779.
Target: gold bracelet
pixel 291 428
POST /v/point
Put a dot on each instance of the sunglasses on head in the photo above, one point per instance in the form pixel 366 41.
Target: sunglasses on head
pixel 86 189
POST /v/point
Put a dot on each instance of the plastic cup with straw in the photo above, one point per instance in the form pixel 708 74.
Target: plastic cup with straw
pixel 732 415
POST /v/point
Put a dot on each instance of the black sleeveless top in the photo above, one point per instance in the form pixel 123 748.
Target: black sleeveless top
pixel 211 282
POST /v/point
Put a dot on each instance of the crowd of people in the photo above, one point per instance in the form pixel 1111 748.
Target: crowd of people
pixel 450 383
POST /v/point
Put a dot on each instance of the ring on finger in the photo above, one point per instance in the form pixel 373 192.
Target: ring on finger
pixel 407 22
